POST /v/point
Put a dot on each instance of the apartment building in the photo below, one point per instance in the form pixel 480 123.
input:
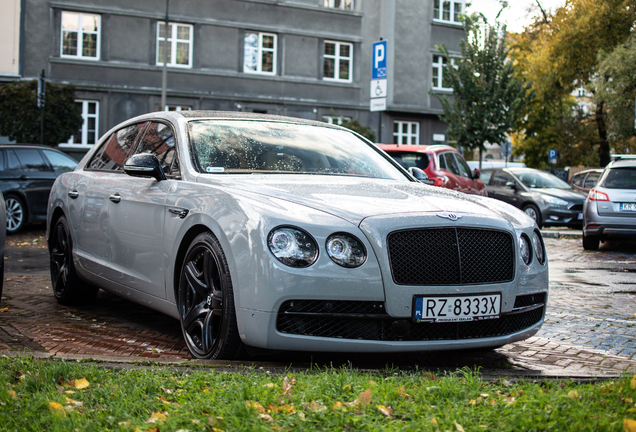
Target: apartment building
pixel 300 58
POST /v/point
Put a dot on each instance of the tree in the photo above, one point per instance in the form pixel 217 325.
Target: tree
pixel 488 97
pixel 355 126
pixel 20 115
pixel 558 53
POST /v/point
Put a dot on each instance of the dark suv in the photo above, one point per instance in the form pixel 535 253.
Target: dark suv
pixel 27 173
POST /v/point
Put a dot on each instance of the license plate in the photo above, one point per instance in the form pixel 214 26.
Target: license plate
pixel 579 216
pixel 628 207
pixel 457 308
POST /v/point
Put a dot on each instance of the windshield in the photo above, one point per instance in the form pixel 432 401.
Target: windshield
pixel 268 147
pixel 540 180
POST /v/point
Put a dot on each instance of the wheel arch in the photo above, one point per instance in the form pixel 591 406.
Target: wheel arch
pixel 186 240
pixel 55 216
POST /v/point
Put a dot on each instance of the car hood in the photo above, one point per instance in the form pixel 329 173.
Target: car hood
pixel 566 194
pixel 356 198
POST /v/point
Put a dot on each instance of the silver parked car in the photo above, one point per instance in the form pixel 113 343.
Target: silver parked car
pixel 610 208
pixel 286 234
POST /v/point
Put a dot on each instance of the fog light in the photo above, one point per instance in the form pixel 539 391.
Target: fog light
pixel 553 217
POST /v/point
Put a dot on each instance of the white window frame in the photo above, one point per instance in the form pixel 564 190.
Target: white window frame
pixel 84 130
pixel 408 132
pixel 339 4
pixel 439 63
pixel 80 35
pixel 337 58
pixel 260 49
pixel 173 42
pixel 448 11
pixel 335 119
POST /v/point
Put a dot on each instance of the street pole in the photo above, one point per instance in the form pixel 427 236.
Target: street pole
pixel 164 73
pixel 40 101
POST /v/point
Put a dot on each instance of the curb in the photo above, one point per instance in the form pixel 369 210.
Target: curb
pixel 562 234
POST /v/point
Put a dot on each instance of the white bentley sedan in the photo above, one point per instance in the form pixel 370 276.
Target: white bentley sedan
pixel 278 233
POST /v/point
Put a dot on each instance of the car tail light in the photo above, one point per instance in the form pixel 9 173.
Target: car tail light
pixel 439 181
pixel 597 196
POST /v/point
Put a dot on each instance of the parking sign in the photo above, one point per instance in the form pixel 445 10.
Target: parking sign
pixel 379 60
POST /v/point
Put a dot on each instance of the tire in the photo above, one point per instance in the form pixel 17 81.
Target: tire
pixel 16 213
pixel 590 242
pixel 532 211
pixel 68 289
pixel 206 302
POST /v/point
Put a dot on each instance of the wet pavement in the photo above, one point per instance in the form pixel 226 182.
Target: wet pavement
pixel 590 327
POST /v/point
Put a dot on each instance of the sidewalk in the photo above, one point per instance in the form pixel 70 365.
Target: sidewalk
pixel 115 331
pixel 561 232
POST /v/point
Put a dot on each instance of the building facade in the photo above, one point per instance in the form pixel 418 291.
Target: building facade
pixel 300 58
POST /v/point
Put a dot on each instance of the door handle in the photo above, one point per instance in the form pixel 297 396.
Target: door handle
pixel 73 194
pixel 115 198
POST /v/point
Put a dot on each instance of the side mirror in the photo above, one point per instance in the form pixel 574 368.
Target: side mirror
pixel 144 165
pixel 420 175
pixel 476 174
pixel 511 185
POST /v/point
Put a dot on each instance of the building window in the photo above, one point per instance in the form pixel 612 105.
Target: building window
pixel 439 63
pixel 338 61
pixel 89 132
pixel 339 4
pixel 335 119
pixel 406 132
pixel 80 35
pixel 260 53
pixel 177 108
pixel 448 11
pixel 178 44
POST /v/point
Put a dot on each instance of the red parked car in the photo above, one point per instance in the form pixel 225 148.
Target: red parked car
pixel 443 164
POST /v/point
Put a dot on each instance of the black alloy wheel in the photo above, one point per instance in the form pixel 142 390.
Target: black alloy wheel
pixel 68 289
pixel 206 301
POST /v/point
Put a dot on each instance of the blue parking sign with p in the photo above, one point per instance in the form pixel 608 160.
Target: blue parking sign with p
pixel 379 60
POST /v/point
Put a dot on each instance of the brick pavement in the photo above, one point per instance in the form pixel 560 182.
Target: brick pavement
pixel 585 334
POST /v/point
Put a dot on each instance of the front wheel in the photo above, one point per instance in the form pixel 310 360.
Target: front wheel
pixel 68 289
pixel 16 213
pixel 532 211
pixel 206 301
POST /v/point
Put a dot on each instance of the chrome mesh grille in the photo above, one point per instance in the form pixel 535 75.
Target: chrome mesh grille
pixel 451 256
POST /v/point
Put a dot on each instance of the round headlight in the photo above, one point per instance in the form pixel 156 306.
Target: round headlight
pixel 346 250
pixel 537 245
pixel 524 249
pixel 293 247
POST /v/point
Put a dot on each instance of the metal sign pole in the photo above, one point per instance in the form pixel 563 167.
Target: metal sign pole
pixel 164 72
pixel 40 101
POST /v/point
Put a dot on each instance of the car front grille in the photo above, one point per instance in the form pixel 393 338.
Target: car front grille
pixel 369 321
pixel 576 207
pixel 451 256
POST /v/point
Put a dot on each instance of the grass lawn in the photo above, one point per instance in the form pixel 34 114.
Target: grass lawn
pixel 54 395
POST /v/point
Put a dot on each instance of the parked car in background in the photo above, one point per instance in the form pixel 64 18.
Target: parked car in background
pixel 543 196
pixel 280 233
pixel 444 165
pixel 27 173
pixel 583 181
pixel 610 208
pixel 3 236
pixel 489 163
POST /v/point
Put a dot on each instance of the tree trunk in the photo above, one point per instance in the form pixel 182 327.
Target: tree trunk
pixel 603 148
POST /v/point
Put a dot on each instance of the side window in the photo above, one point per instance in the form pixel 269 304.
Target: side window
pixel 114 151
pixel 451 163
pixel 159 141
pixel 578 179
pixel 485 176
pixel 464 169
pixel 2 161
pixel 32 160
pixel 501 178
pixel 13 163
pixel 60 163
pixel 591 180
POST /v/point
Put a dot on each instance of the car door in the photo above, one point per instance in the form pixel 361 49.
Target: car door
pixel 136 222
pixel 501 187
pixel 90 199
pixel 468 183
pixel 35 175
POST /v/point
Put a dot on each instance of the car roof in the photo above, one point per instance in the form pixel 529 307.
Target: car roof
pixel 416 148
pixel 37 146
pixel 622 163
pixel 239 115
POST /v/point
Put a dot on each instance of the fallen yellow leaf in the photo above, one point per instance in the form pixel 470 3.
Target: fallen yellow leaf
pixel 509 400
pixel 57 408
pixel 386 411
pixel 4 309
pixel 288 384
pixel 270 385
pixel 73 402
pixel 314 406
pixel 573 394
pixel 157 416
pixel 13 394
pixel 81 383
pixel 266 417
pixel 459 427
pixel 434 420
pixel 629 425
pixel 255 405
pixel 403 394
